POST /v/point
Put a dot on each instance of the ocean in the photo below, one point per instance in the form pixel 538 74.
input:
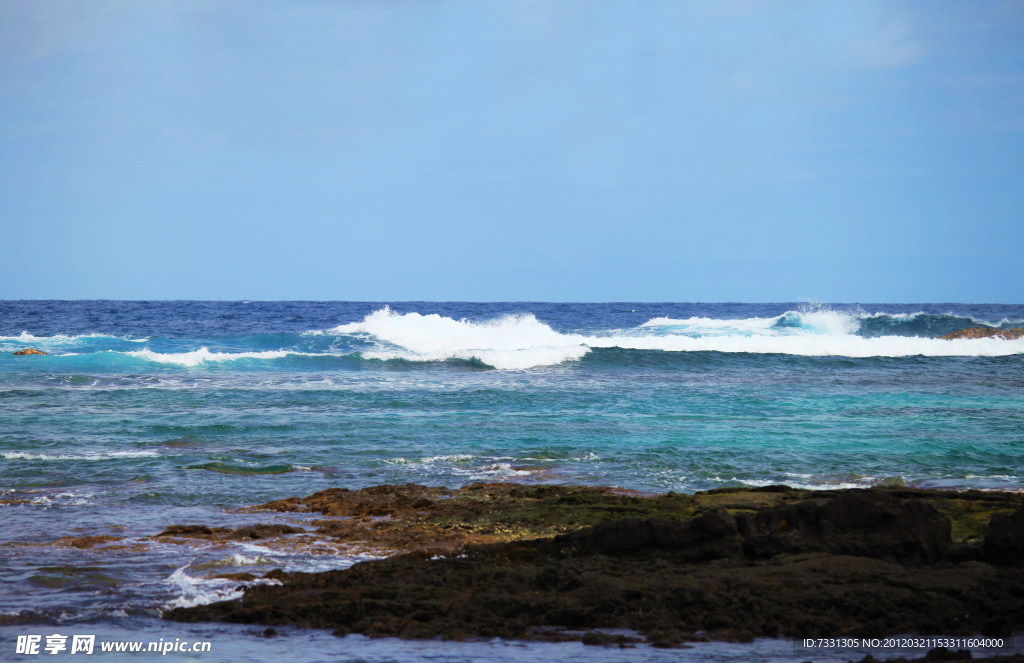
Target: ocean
pixel 147 414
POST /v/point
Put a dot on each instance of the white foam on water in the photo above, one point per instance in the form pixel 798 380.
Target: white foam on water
pixel 62 499
pixel 203 591
pixel 814 321
pixel 522 341
pixel 502 359
pixel 331 558
pixel 711 325
pixel 241 560
pixel 824 484
pixel 815 345
pixel 62 339
pixel 195 357
pixel 101 611
pixel 461 465
pixel 21 455
pixel 508 342
pixel 203 355
pixel 518 342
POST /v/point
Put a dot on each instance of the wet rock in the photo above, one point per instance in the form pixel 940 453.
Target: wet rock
pixel 237 577
pixel 28 351
pixel 731 565
pixel 707 537
pixel 985 332
pixel 262 532
pixel 84 542
pixel 425 520
pixel 1004 542
pixel 192 531
pixel 869 523
pixel 251 532
pixel 864 523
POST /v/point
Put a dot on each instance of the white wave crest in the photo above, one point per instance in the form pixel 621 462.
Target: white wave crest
pixel 508 342
pixel 711 325
pixel 202 591
pixel 814 321
pixel 203 355
pixel 522 341
pixel 21 455
pixel 820 345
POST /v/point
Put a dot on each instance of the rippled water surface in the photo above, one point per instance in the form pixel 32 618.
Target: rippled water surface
pixel 145 414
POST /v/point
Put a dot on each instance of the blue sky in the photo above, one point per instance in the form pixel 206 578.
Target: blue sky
pixel 555 150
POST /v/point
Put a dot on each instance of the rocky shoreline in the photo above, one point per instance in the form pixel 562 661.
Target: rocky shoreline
pixel 564 562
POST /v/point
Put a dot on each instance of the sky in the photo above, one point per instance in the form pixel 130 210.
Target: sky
pixel 512 150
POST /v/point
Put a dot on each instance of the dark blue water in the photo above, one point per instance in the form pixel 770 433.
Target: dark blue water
pixel 148 413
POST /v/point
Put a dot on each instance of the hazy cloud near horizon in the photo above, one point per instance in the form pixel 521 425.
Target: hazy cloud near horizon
pixel 512 150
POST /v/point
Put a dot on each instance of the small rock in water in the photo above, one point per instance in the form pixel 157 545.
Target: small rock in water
pixel 29 351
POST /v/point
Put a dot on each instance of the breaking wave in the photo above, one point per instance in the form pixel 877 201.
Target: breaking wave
pixel 522 341
pixel 509 342
pixel 203 355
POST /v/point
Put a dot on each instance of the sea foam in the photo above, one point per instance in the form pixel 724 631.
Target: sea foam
pixel 203 355
pixel 63 339
pixel 509 342
pixel 99 455
pixel 522 341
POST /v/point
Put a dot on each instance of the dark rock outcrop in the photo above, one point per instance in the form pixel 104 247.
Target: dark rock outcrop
pixel 707 537
pixel 29 351
pixel 1004 542
pixel 873 524
pixel 860 563
pixel 985 332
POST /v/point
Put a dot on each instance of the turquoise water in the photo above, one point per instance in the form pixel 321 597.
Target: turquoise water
pixel 151 413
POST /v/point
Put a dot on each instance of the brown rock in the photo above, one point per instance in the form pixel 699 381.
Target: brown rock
pixel 84 542
pixel 29 351
pixel 985 332
pixel 227 534
pixel 237 577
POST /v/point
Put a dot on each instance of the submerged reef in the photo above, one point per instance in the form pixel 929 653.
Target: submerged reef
pixel 985 332
pixel 560 562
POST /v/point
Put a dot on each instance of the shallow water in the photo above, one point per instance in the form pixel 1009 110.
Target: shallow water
pixel 151 413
